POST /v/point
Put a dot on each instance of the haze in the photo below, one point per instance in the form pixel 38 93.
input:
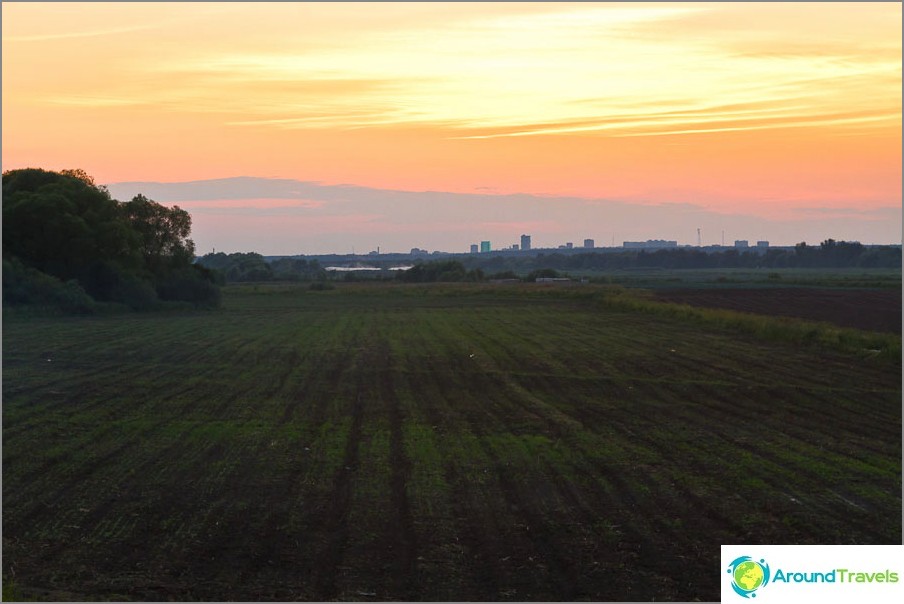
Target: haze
pixel 438 125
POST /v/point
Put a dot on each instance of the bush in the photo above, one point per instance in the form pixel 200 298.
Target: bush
pixel 446 271
pixel 192 285
pixel 106 282
pixel 543 273
pixel 135 293
pixel 71 298
pixel 28 286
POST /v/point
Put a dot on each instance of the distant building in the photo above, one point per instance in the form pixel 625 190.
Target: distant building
pixel 418 252
pixel 515 247
pixel 484 246
pixel 473 248
pixel 762 244
pixel 650 244
pixel 569 245
pixel 525 242
pixel 741 243
pixel 589 243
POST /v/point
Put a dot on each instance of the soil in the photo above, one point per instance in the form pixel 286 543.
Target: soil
pixel 361 449
pixel 868 309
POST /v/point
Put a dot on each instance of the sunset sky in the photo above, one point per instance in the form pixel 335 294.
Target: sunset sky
pixel 438 125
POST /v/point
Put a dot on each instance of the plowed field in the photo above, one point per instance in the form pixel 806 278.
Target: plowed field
pixel 416 443
pixel 871 309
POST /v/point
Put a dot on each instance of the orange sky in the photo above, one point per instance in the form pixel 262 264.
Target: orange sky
pixel 739 108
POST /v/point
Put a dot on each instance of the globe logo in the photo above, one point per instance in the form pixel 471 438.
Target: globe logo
pixel 748 575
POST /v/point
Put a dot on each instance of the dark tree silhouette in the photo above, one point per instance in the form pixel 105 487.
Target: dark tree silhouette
pixel 64 237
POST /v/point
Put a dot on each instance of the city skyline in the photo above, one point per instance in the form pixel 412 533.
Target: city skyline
pixel 443 124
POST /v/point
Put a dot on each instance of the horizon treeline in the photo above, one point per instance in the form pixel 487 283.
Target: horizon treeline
pixel 246 267
pixel 243 267
pixel 68 245
pixel 828 254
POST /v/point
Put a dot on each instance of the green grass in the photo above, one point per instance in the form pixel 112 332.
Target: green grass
pixel 797 331
pixel 11 591
pixel 434 443
pixel 748 277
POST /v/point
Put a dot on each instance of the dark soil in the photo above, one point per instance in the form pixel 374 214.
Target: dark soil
pixel 365 446
pixel 868 309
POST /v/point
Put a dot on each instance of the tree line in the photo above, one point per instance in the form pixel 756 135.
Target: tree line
pixel 828 254
pixel 251 266
pixel 67 244
pixel 242 267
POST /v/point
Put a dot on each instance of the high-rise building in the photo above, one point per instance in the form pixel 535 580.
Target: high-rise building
pixel 589 243
pixel 525 242
pixel 473 248
pixel 484 246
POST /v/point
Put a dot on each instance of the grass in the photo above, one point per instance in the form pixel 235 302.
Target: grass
pixel 433 443
pixel 11 591
pixel 749 277
pixel 868 344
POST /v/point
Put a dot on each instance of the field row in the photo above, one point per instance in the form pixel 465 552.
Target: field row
pixel 387 445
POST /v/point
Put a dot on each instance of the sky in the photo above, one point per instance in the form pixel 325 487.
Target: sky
pixel 290 128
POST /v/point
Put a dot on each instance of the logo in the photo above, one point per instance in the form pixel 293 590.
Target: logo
pixel 748 575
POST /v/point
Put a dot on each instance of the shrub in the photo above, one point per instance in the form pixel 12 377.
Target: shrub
pixel 543 273
pixel 135 293
pixel 28 286
pixel 192 285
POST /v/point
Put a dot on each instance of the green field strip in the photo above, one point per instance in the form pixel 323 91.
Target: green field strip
pixel 536 549
pixel 581 452
pixel 667 433
pixel 370 523
pixel 480 517
pixel 439 553
pixel 767 471
pixel 108 416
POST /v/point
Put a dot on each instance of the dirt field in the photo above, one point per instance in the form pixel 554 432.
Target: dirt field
pixel 870 309
pixel 427 444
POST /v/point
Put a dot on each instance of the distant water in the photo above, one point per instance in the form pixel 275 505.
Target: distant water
pixel 348 269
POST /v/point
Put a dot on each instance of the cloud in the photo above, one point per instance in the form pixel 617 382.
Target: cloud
pixel 641 70
pixel 257 207
pixel 887 213
pixel 79 34
pixel 288 216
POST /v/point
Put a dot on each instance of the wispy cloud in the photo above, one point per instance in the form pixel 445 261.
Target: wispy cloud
pixel 95 101
pixel 614 70
pixel 79 34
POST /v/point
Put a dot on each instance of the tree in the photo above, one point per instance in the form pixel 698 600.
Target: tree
pixel 71 239
pixel 60 224
pixel 163 234
pixel 440 270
